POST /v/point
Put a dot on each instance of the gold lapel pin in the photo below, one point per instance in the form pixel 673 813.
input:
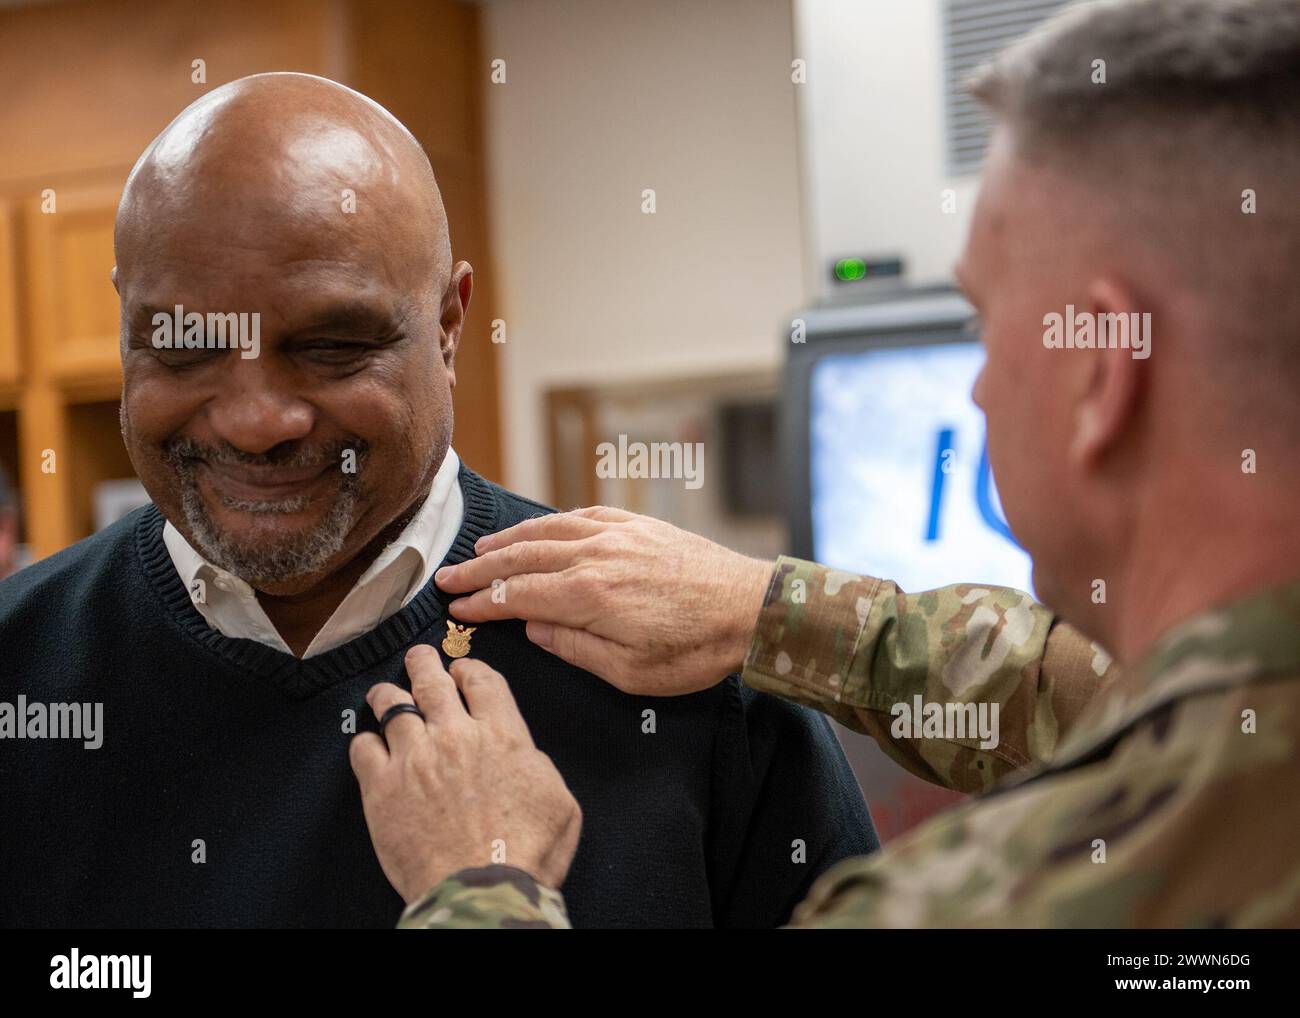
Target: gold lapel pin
pixel 456 643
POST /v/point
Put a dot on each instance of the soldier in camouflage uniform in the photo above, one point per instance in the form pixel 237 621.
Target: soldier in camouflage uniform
pixel 1160 791
pixel 1161 796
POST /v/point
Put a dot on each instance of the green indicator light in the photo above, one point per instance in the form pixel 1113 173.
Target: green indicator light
pixel 849 269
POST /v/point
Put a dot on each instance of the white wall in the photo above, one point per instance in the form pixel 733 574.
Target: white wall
pixel 872 126
pixel 604 98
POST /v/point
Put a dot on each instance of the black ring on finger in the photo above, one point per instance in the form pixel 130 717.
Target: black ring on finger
pixel 396 709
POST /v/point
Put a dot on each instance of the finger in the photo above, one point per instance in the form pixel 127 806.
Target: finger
pixel 524 557
pixel 605 514
pixel 404 729
pixel 578 647
pixel 488 696
pixel 434 691
pixel 367 753
pixel 546 597
pixel 551 527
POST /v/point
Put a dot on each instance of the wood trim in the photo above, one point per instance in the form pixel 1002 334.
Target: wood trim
pixel 562 404
pixel 10 355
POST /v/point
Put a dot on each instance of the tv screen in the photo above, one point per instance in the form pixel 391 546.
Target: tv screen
pixel 899 473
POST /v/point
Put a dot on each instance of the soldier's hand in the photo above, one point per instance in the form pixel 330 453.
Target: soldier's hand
pixel 648 607
pixel 455 789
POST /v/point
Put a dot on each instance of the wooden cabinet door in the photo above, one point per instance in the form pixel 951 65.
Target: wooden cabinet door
pixel 73 312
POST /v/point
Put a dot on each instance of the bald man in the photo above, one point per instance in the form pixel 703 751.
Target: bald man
pixel 188 682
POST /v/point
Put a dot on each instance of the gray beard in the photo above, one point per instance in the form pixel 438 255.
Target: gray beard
pixel 270 560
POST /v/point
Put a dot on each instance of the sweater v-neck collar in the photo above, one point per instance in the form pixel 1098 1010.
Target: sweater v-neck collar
pixel 294 676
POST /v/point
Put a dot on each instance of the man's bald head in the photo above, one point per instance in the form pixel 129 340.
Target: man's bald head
pixel 281 146
pixel 307 208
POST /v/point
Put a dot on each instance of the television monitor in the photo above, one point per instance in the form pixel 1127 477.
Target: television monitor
pixel 889 461
pixel 888 475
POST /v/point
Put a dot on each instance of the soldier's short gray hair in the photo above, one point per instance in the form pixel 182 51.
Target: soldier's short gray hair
pixel 1180 114
pixel 1162 61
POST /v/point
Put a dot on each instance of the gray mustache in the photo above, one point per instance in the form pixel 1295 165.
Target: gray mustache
pixel 183 452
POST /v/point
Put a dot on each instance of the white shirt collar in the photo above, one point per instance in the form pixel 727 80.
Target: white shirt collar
pixel 397 574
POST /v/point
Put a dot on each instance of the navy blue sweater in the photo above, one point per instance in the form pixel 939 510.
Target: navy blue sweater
pixel 222 794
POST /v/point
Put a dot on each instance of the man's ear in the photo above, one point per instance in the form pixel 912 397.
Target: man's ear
pixel 455 305
pixel 113 276
pixel 1113 379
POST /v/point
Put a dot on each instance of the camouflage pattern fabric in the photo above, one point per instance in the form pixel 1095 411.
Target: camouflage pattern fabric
pixel 1165 795
pixel 491 897
pixel 853 646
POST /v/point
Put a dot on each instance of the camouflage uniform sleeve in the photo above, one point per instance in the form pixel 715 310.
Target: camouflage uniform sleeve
pixel 856 648
pixel 489 897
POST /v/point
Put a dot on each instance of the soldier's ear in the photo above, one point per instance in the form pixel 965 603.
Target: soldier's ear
pixel 1111 379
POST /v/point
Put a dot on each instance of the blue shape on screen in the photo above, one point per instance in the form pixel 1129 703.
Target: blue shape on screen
pixel 936 489
pixel 883 422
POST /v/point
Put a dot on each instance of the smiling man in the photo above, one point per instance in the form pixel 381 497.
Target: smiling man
pixel 302 499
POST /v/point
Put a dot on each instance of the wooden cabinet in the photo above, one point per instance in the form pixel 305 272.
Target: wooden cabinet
pixel 73 307
pixel 59 364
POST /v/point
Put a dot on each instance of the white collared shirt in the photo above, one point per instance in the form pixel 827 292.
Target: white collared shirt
pixel 400 572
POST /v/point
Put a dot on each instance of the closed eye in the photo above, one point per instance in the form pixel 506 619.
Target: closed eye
pixel 335 351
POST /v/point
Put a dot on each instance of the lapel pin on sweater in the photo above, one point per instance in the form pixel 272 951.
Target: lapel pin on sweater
pixel 456 643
